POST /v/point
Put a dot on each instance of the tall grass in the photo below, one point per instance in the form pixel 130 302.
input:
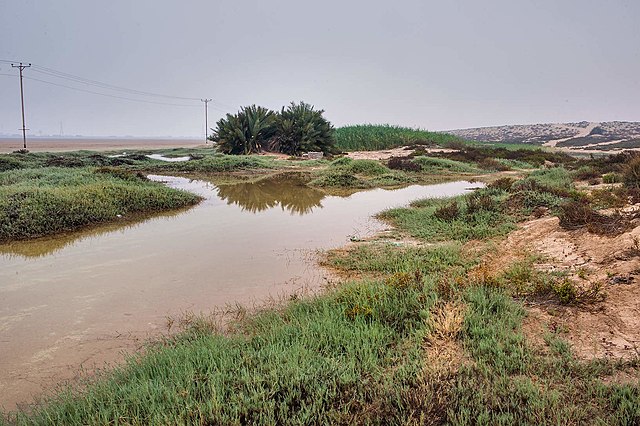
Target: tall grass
pixel 370 137
pixel 37 202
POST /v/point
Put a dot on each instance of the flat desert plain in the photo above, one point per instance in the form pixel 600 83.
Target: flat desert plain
pixel 94 144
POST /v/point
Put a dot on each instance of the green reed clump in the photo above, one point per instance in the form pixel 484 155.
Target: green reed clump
pixel 37 202
pixel 370 137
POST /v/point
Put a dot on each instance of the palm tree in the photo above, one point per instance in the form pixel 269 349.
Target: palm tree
pixel 246 132
pixel 302 128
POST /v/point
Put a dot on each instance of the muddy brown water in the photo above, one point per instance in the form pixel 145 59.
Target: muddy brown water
pixel 78 301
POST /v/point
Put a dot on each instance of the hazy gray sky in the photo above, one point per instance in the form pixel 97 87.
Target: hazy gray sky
pixel 432 64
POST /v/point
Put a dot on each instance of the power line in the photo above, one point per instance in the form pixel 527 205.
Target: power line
pixel 106 94
pixel 71 77
pixel 82 80
pixel 105 86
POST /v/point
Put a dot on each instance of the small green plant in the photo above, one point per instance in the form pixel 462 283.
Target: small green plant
pixel 566 291
pixel 582 273
pixel 612 178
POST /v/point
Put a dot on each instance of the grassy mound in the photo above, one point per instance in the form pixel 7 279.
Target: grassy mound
pixel 37 202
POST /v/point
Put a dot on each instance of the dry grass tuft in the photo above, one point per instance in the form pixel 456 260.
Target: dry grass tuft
pixel 445 324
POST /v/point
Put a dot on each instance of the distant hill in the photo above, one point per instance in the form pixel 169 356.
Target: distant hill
pixel 585 135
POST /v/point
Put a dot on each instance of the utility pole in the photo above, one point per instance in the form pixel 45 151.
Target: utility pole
pixel 24 128
pixel 206 119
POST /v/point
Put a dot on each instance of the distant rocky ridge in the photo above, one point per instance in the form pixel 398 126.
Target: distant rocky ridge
pixel 585 135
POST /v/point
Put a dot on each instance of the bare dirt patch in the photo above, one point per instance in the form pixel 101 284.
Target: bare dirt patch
pixel 388 153
pixel 606 329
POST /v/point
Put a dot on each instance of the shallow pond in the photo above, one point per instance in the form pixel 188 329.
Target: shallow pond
pixel 79 299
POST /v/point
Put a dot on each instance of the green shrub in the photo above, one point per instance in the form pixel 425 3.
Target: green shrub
pixel 366 167
pixel 9 163
pixel 612 178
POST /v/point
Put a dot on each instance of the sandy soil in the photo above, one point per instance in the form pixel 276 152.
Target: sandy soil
pixel 606 329
pixel 97 144
pixel 388 153
pixel 582 132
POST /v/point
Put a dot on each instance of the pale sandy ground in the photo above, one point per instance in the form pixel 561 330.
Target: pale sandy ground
pixel 582 132
pixel 388 153
pixel 105 144
pixel 608 329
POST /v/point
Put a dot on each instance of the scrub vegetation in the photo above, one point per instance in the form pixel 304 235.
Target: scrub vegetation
pixel 424 334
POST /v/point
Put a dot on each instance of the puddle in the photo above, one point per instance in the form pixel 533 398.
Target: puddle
pixel 169 159
pixel 79 299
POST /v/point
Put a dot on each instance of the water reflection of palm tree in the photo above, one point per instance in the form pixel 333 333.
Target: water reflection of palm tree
pixel 290 194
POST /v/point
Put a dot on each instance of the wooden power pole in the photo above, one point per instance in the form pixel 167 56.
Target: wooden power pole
pixel 206 119
pixel 24 127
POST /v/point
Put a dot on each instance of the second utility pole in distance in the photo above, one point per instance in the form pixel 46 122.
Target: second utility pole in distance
pixel 206 119
pixel 24 128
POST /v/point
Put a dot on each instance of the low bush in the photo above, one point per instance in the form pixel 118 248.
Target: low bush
pixel 439 165
pixel 631 173
pixel 9 163
pixel 493 164
pixel 577 214
pixel 612 178
pixel 586 173
pixel 503 183
pixel 403 163
pixel 480 201
pixel 448 212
